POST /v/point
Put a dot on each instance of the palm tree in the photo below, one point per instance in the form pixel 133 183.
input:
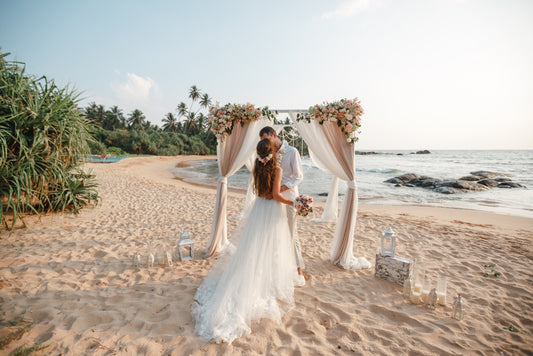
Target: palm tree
pixel 170 123
pixel 182 109
pixel 114 118
pixel 202 123
pixel 194 93
pixel 194 122
pixel 136 119
pixel 205 101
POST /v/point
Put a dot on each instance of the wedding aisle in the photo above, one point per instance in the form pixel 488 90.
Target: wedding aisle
pixel 71 278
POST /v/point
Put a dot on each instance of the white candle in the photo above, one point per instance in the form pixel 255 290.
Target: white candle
pixel 441 298
pixel 424 295
pixel 418 288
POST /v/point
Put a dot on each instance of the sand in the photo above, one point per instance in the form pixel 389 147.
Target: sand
pixel 72 278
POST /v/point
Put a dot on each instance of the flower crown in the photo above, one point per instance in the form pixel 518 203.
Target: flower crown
pixel 266 159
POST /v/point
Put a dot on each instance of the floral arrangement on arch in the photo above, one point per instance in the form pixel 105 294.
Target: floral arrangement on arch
pixel 346 113
pixel 223 118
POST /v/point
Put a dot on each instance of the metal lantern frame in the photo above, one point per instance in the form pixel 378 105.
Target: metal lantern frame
pixel 185 247
pixel 388 242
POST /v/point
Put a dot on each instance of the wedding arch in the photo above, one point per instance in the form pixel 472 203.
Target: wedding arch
pixel 329 131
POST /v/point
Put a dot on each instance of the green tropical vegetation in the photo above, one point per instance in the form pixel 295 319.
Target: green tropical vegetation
pixel 43 139
pixel 184 132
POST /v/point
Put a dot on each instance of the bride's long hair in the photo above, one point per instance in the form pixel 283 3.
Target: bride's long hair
pixel 264 168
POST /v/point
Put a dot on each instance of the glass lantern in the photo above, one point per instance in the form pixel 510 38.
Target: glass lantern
pixel 432 299
pixel 185 247
pixel 441 290
pixel 408 287
pixel 168 259
pixel 150 259
pixel 426 288
pixel 419 274
pixel 388 242
pixel 161 254
pixel 458 308
pixel 136 260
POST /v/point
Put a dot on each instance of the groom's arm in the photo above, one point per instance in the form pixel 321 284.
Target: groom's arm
pixel 296 169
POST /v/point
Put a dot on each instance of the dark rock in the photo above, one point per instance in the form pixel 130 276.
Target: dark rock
pixel 488 182
pixel 471 178
pixel 426 183
pixel 394 181
pixel 403 178
pixel 447 190
pixel 510 185
pixel 366 153
pixel 399 154
pixel 423 181
pixel 424 152
pixel 446 183
pixel 486 174
pixel 476 182
pixel 461 184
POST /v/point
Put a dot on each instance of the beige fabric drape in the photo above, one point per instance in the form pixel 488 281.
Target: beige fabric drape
pixel 331 149
pixel 232 154
pixel 344 152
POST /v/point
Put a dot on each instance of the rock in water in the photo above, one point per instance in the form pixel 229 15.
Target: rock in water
pixel 478 181
pixel 487 174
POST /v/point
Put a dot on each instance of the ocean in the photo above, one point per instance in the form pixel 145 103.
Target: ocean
pixel 373 170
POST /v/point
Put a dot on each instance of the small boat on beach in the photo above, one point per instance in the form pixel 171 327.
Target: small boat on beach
pixel 103 158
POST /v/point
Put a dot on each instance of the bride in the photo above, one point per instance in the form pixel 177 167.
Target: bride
pixel 256 279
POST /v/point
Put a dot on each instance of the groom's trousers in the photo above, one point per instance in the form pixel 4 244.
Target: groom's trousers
pixel 291 215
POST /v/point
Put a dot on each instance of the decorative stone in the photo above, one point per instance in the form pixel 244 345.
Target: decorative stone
pixel 394 269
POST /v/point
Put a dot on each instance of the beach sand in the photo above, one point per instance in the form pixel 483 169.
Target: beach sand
pixel 72 278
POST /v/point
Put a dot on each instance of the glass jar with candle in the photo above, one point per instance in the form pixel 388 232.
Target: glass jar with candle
pixel 419 274
pixel 407 287
pixel 441 289
pixel 426 288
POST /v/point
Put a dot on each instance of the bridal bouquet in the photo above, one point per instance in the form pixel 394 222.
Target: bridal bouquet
pixel 303 205
pixel 223 118
pixel 346 113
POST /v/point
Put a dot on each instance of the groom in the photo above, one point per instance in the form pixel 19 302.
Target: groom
pixel 291 164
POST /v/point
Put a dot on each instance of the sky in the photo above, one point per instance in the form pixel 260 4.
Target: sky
pixel 430 74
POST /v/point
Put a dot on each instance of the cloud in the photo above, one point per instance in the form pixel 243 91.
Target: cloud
pixel 135 89
pixel 348 8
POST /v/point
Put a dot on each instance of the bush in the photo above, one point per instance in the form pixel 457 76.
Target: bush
pixel 43 138
pixel 115 151
pixel 97 148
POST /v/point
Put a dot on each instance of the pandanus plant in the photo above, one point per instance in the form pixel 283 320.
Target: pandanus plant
pixel 43 138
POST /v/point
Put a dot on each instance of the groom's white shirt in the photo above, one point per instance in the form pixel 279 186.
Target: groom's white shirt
pixel 291 164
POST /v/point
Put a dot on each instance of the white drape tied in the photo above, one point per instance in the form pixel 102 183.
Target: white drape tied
pixel 223 180
pixel 329 147
pixel 232 154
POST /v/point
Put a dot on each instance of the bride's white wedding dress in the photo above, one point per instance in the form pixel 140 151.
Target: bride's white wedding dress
pixel 252 281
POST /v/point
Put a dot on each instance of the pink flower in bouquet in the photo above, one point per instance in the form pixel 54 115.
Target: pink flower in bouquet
pixel 303 205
